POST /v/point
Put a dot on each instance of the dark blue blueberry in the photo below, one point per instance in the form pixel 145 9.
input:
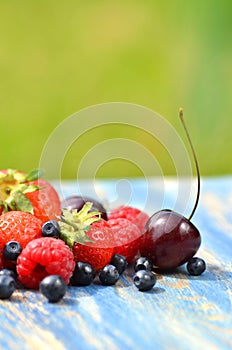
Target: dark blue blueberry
pixel 119 261
pixel 196 266
pixel 109 275
pixel 7 286
pixel 83 274
pixel 144 280
pixel 51 229
pixel 8 272
pixel 143 263
pixel 53 287
pixel 12 250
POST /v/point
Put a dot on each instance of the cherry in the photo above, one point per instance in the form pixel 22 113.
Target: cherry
pixel 170 239
pixel 77 202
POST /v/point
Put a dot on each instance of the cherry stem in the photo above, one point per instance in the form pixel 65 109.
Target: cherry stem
pixel 181 114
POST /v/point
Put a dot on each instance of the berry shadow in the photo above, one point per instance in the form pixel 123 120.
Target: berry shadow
pixel 97 283
pixel 69 301
pixel 154 290
pixel 211 273
pixel 77 292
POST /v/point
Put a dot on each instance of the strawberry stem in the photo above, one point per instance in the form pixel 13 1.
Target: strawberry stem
pixel 14 186
pixel 74 224
pixel 34 175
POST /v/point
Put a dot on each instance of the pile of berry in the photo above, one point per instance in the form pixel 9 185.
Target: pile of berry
pixel 46 244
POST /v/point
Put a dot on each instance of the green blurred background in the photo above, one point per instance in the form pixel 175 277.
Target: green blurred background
pixel 57 57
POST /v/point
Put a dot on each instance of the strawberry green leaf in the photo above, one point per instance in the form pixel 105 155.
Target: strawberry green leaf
pixel 4 207
pixel 71 235
pixel 82 216
pixel 34 175
pixel 74 224
pixel 18 201
pixel 28 188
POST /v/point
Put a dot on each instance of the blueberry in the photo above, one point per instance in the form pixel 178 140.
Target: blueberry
pixel 12 250
pixel 53 287
pixel 143 263
pixel 109 275
pixel 7 286
pixel 119 261
pixel 83 274
pixel 8 272
pixel 51 229
pixel 196 266
pixel 144 280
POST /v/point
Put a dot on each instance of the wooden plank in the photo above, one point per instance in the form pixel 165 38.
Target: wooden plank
pixel 181 311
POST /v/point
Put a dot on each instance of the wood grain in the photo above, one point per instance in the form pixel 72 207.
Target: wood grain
pixel 181 312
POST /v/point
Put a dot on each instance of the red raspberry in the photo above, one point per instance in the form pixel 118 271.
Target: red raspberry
pixel 134 215
pixel 127 237
pixel 43 257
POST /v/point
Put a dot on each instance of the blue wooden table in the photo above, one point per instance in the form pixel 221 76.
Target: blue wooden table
pixel 181 312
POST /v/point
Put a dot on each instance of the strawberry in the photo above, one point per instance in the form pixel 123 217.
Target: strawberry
pixel 99 252
pixel 89 236
pixel 45 202
pixel 134 215
pixel 19 226
pixel 19 191
pixel 127 237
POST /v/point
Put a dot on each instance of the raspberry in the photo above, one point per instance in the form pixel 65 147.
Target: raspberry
pixel 43 257
pixel 134 215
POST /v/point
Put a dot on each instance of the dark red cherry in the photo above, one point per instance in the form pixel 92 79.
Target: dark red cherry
pixel 170 239
pixel 77 202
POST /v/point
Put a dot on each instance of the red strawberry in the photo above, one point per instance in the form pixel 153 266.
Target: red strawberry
pixel 99 252
pixel 134 215
pixel 19 226
pixel 19 191
pixel 127 237
pixel 43 257
pixel 88 235
pixel 45 202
